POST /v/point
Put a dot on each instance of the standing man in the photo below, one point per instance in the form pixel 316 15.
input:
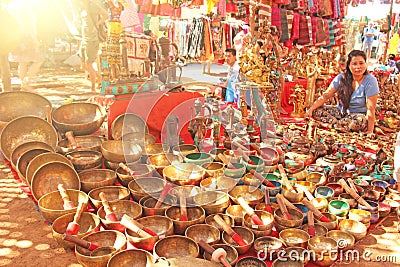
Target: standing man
pixel 369 34
pixel 231 94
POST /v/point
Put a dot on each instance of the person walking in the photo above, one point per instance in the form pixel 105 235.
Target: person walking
pixel 369 33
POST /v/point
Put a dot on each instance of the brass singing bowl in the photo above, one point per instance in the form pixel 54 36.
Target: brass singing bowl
pixel 383 209
pixel 114 240
pixel 51 204
pixel 320 203
pixel 293 196
pixel 81 118
pixel 146 186
pixel 127 123
pixel 320 230
pixel 18 151
pixel 185 261
pixel 162 160
pixel 363 216
pixel 237 213
pixel 216 151
pixel 337 188
pixel 332 225
pixel 47 178
pixel 294 237
pixel 338 207
pixel 345 240
pixel 139 171
pixel 160 225
pixel 212 201
pixel 227 218
pixel 238 172
pixel 188 191
pixel 95 178
pixel 85 159
pixel 42 159
pixel 300 176
pixel 245 233
pixel 112 193
pixel 317 178
pixel 176 246
pixel 280 227
pixel 118 151
pixel 231 253
pixel 142 139
pixel 222 183
pixel 374 193
pixel 85 142
pixel 296 221
pixel 156 148
pixel 268 244
pixel 24 160
pixel 184 173
pixel 299 254
pixel 88 222
pixel 214 169
pixel 148 204
pixel 115 165
pixel 324 248
pixel 203 232
pixel 309 185
pixel 195 215
pixel 184 149
pixel 131 258
pixel 349 199
pixel 119 208
pixel 198 158
pixel 260 230
pixel 357 229
pixel 287 263
pixel 270 156
pixel 251 194
pixel 250 261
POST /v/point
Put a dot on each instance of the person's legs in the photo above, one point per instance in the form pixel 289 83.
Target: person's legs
pixel 5 73
pixel 89 55
pixel 22 70
pixel 34 69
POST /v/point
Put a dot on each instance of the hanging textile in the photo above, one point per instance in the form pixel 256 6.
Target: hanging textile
pixel 264 14
pixel 207 52
pixel 331 33
pixel 304 32
pixel 196 38
pixel 314 8
pixel 314 22
pixel 289 16
pixel 276 18
pixel 325 8
pixel 284 26
pixel 221 7
pixel 129 16
pixel 310 32
pixel 321 35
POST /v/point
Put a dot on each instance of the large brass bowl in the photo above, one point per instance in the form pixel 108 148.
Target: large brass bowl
pixel 357 229
pixel 231 253
pixel 139 171
pixel 195 216
pixel 127 123
pixel 50 175
pixel 222 183
pixel 260 230
pixel 184 173
pixel 51 204
pixel 25 129
pixel 320 230
pixel 119 208
pixel 148 204
pixel 345 239
pixel 107 239
pixel 176 246
pixel 185 149
pixel 85 142
pixel 131 258
pixel 112 193
pixel 227 218
pixel 294 237
pixel 118 151
pixel 212 201
pixel 188 191
pixel 91 179
pixel 203 232
pixel 245 234
pixel 24 159
pixel 85 159
pixel 22 148
pixel 88 222
pixel 162 160
pixel 296 218
pixel 146 186
pixel 80 118
pixel 237 213
pixel 142 139
pixel 269 245
pixel 251 194
pixel 332 225
pixel 325 248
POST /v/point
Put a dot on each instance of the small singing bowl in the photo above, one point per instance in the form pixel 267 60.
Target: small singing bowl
pixel 267 223
pixel 131 257
pixel 51 204
pixel 212 201
pixel 383 184
pixel 227 218
pixel 393 196
pixel 374 193
pixel 320 203
pixel 384 209
pixel 184 173
pixel 119 208
pixel 195 215
pixel 114 240
pixel 325 192
pixel 338 207
pixel 270 156
pixel 184 149
pixel 198 158
pixel 160 225
pixel 294 238
pixel 320 230
pixel 222 183
pixel 357 229
pixel 332 225
pixel 148 204
pixel 188 191
pixel 233 156
pixel 112 193
pixel 268 245
pixel 115 165
pixel 293 196
pixel 231 253
pixel 238 172
pixel 85 159
pixel 297 254
pixel 373 204
pixel 287 263
pixel 296 218
pixel 349 199
pixel 176 246
pixel 156 148
pixel 345 240
pixel 256 163
pixel 337 188
pixel 300 176
pixel 309 185
pixel 121 151
pixel 139 171
pixel 91 179
pixel 203 232
pixel 250 261
pixel 146 186
pixel 251 194
pixel 237 213
pixel 88 222
pixel 214 169
pixel 280 227
pixel 249 179
pixel 324 248
pixel 162 160
pixel 274 190
pixel 317 178
pixel 303 208
pixel 392 203
pixel 245 234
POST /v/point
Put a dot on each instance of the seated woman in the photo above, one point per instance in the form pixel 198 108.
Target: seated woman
pixel 357 92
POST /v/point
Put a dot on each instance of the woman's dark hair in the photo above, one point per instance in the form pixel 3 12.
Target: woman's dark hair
pixel 346 89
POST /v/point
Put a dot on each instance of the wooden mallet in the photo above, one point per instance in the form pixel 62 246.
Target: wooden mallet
pixel 283 207
pixel 68 204
pixel 136 227
pixel 235 236
pixel 73 227
pixel 226 161
pixel 254 217
pixel 316 212
pixel 217 255
pixel 110 215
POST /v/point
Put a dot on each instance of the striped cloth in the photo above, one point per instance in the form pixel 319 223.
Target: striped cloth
pixel 276 18
pixel 289 15
pixel 295 26
pixel 284 26
pixel 314 22
pixel 321 35
pixel 309 25
pixel 304 32
pixel 264 14
pixel 331 33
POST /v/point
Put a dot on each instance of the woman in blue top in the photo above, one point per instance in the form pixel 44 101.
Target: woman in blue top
pixel 358 93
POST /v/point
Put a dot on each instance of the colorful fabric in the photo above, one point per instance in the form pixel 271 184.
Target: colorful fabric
pixel 304 32
pixel 314 22
pixel 276 18
pixel 264 13
pixel 284 26
pixel 309 26
pixel 331 33
pixel 321 35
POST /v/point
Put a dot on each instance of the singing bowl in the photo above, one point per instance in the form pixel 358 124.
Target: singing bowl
pixel 118 151
pixel 296 221
pixel 317 178
pixel 268 245
pixel 146 186
pixel 383 209
pixel 212 201
pixel 112 193
pixel 349 199
pixel 18 151
pixel 85 159
pixel 294 237
pixel 91 179
pixel 222 183
pixel 373 204
pixel 300 176
pixel 216 151
pixel 42 159
pixel 252 195
pixel 270 156
pixel 198 158
pixel 195 215
pixel 160 225
pixel 127 123
pixel 119 208
pixel 81 118
pixel 51 204
pixel 227 218
pixel 50 175
pixel 148 204
pixel 184 149
pixel 115 165
pixel 139 171
pixel 245 233
pixel 203 232
pixel 235 173
pixel 336 187
pixel 88 222
pixel 345 240
pixel 176 246
pixel 293 196
pixel 156 148
pixel 280 227
pixel 131 258
pixel 162 160
pixel 363 216
pixel 309 185
pixel 338 207
pixel 237 213
pixel 260 230
pixel 357 229
pixel 106 239
pixel 250 261
pixel 214 169
pixel 85 142
pixel 185 261
pixel 184 173
pixel 256 164
pixel 332 225
pixel 287 263
pixel 249 179
pixel 320 230
pixel 325 248
pixel 25 159
pixel 324 192
pixel 231 253
pixel 297 254
pixel 188 191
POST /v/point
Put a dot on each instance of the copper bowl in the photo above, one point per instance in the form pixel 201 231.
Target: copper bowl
pixel 139 171
pixel 19 150
pixel 146 186
pixel 268 245
pixel 119 208
pixel 320 230
pixel 25 159
pixel 349 199
pixel 154 149
pixel 50 175
pixel 51 204
pixel 214 169
pixel 203 232
pixel 287 263
pixel 184 149
pixel 345 240
pixel 250 261
pixel 227 218
pixel 86 142
pixel 222 183
pixel 270 156
pixel 162 160
pixel 85 159
pixel 245 234
pixel 298 254
pixel 148 203
pixel 212 201
pixel 252 195
pixel 160 225
pixel 332 225
pixel 231 253
pixel 118 151
pixel 374 193
pixel 82 118
pixel 296 221
pixel 317 178
pixel 114 240
pixel 237 213
pixel 294 237
pixel 127 123
pixel 130 258
pixel 112 193
pixel 325 248
pixel 91 179
pixel 260 230
pixel 292 196
pixel 115 165
pixel 88 222
pixel 188 191
pixel 184 173
pixel 357 229
pixel 195 216
pixel 176 246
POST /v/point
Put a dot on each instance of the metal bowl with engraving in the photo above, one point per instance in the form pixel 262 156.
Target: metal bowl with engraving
pixel 85 159
pixel 176 246
pixel 296 218
pixel 148 204
pixel 251 194
pixel 203 232
pixel 85 142
pixel 357 229
pixel 294 237
pixel 260 230
pixel 222 183
pixel 325 248
pixel 119 208
pixel 25 159
pixel 195 215
pixel 184 149
pixel 231 253
pixel 127 123
pixel 212 201
pixel 91 179
pixel 138 171
pixel 162 160
pixel 237 213
pixel 269 245
pixel 117 151
pixel 188 191
pixel 184 173
pixel 131 258
pixel 345 239
pixel 227 218
pixel 332 225
pixel 112 193
pixel 245 233
pixel 24 147
pixel 81 118
pixel 146 186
